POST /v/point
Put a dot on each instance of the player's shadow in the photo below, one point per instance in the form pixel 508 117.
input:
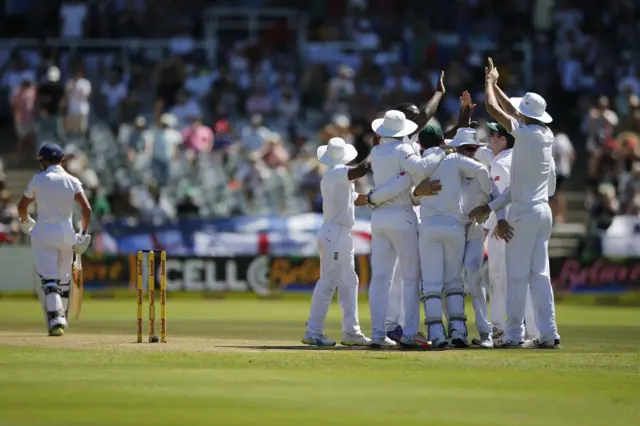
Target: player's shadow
pixel 345 348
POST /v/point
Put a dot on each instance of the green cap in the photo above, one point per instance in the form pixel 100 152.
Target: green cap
pixel 430 136
pixel 499 128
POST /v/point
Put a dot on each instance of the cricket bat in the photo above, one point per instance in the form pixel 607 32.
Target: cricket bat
pixel 78 286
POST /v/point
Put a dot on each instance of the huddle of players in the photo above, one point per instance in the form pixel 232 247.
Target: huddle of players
pixel 448 180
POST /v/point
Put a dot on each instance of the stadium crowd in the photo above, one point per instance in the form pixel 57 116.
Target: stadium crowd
pixel 161 134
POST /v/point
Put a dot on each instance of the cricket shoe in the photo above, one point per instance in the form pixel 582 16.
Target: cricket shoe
pixel 484 342
pixel 317 340
pixel 439 343
pixel 459 339
pixel 57 330
pixel 498 337
pixel 385 342
pixel 511 345
pixel 418 341
pixel 355 340
pixel 395 334
pixel 538 344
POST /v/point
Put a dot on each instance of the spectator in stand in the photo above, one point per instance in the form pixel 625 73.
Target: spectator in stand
pixel 599 125
pixel 254 135
pixel 9 228
pixel 259 102
pixel 564 156
pixel 17 72
pixel 72 18
pixel 198 137
pixel 186 108
pixel 78 91
pixel 50 98
pixel 23 106
pixel 340 90
pixel 113 91
pixel 603 209
pixel 163 148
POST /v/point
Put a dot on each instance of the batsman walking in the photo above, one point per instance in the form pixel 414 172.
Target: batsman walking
pixel 53 238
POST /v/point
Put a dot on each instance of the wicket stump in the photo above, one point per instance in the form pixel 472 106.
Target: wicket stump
pixel 151 282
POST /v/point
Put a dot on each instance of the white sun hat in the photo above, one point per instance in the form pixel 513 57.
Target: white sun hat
pixel 532 105
pixel 336 152
pixel 394 125
pixel 465 136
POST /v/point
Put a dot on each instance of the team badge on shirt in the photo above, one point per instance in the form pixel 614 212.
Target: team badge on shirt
pixel 335 255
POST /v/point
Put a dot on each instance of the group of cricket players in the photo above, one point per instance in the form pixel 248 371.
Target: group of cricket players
pixel 437 198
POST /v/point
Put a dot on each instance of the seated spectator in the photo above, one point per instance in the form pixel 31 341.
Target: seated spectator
pixel 603 210
pixel 198 137
pixel 188 206
pixel 258 102
pixel 254 135
pixel 340 90
pixel 50 96
pixel 8 213
pixel 186 108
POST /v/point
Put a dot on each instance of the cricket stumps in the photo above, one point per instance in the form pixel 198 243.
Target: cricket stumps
pixel 151 270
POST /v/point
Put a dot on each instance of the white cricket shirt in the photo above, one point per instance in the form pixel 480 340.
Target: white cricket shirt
pixel 500 178
pixel 532 167
pixel 54 190
pixel 453 170
pixel 392 157
pixel 338 196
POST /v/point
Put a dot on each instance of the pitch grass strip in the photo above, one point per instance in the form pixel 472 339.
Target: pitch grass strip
pixel 227 365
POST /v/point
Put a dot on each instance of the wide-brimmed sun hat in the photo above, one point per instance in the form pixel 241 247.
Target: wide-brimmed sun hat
pixel 533 106
pixel 337 151
pixel 465 136
pixel 394 124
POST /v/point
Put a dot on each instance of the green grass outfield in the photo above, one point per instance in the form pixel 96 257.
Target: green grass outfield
pixel 239 362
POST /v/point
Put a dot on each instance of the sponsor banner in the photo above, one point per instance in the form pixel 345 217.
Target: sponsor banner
pixel 189 274
pixel 602 275
pixel 237 236
pixel 301 273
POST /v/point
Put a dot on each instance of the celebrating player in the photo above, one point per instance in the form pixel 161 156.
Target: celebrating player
pixel 528 228
pixel 336 247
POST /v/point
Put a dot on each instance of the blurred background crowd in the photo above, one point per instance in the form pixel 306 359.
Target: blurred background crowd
pixel 212 108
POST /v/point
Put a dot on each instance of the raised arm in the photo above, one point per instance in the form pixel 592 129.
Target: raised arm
pixel 493 107
pixel 503 101
pixel 428 110
pixel 464 118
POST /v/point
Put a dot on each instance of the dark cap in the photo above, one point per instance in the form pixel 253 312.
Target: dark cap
pixel 430 136
pixel 51 152
pixel 499 128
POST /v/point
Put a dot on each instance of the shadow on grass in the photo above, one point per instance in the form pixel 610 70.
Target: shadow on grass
pixel 347 348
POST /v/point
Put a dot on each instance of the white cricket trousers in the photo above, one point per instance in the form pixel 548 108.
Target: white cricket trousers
pixel 52 255
pixel 337 271
pixel 442 244
pixel 498 288
pixel 473 258
pixel 527 258
pixel 395 310
pixel 394 232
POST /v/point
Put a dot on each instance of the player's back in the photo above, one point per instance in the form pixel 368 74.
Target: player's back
pixel 448 202
pixel 386 166
pixel 54 190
